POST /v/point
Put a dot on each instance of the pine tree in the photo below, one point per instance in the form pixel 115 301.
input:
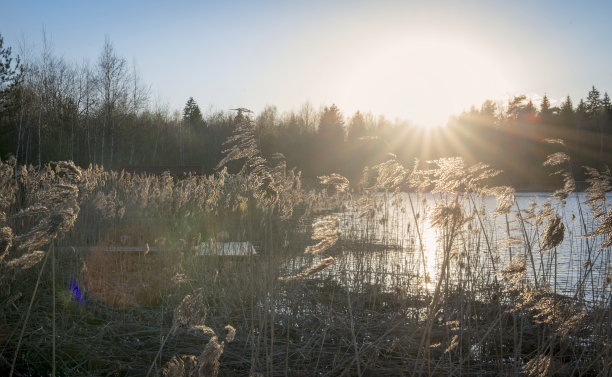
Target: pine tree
pixel 516 107
pixel 580 115
pixel 330 141
pixel 331 123
pixel 357 127
pixel 582 108
pixel 529 111
pixel 606 104
pixel 545 105
pixel 191 113
pixel 567 108
pixel 566 112
pixel 593 103
pixel 545 110
pixel 9 72
pixel 488 109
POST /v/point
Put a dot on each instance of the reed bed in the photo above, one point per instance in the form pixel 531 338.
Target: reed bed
pixel 454 278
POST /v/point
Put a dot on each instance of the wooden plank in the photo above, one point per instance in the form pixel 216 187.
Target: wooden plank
pixel 228 249
pixel 132 249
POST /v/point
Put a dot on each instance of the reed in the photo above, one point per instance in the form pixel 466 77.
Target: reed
pixel 418 270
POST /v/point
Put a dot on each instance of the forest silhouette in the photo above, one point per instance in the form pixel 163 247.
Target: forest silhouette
pixel 100 114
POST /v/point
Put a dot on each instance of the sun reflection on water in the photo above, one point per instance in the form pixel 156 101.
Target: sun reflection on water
pixel 429 238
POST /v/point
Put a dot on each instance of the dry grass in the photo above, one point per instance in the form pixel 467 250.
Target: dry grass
pixel 356 292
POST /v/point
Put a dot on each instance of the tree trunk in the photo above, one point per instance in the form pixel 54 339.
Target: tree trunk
pixel 28 145
pixel 72 141
pixel 131 160
pixel 102 147
pixel 112 146
pixel 181 143
pixel 39 137
pixel 19 133
pixel 154 155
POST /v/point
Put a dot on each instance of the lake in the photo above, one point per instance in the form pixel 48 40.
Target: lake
pixel 389 240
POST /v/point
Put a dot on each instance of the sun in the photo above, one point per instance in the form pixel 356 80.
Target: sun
pixel 425 79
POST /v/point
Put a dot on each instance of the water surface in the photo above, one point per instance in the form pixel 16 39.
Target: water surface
pixel 410 248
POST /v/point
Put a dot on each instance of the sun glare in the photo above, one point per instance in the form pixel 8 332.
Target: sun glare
pixel 425 79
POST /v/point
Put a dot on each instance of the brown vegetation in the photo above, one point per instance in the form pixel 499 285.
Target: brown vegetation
pixel 342 284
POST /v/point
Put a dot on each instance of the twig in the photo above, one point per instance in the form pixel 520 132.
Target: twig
pixel 161 347
pixel 54 328
pixel 357 360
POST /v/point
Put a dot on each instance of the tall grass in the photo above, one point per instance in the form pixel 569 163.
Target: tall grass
pixel 411 271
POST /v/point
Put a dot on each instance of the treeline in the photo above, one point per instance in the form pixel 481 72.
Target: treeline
pixel 101 114
pixel 92 114
pixel 513 137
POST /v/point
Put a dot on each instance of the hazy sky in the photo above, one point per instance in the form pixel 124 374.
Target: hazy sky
pixel 417 60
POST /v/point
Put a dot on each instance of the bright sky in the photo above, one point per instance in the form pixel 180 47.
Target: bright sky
pixel 415 60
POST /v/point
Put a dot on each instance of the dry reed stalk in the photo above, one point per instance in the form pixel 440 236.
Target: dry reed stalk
pixel 383 324
pixel 191 314
pixel 27 316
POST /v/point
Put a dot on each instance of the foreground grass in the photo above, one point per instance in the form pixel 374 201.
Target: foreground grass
pixel 334 289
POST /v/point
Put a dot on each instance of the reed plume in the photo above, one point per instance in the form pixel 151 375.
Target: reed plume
pixel 603 229
pixel 600 183
pixel 540 366
pixel 191 314
pixel 26 261
pixel 390 175
pixel 323 264
pixel 327 232
pixel 554 232
pixel 335 181
pixel 515 272
pixel 556 159
pixel 6 240
pixel 180 366
pixel 555 141
pixel 191 311
pixel 505 196
pixel 562 160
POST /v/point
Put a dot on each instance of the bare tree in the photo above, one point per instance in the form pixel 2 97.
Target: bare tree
pixel 22 95
pixel 139 98
pixel 42 91
pixel 112 88
pixel 86 101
